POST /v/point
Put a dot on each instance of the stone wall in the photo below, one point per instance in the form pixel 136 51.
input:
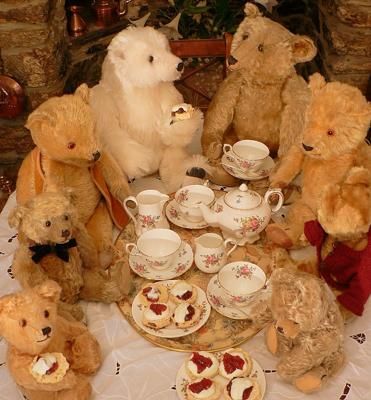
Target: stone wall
pixel 33 50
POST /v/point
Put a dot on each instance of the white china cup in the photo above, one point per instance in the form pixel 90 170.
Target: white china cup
pixel 188 198
pixel 158 247
pixel 211 252
pixel 240 282
pixel 247 155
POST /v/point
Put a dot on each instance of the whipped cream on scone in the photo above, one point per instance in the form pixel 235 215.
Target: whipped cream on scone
pixel 234 363
pixel 203 389
pixel 157 315
pixel 186 315
pixel 49 367
pixel 154 293
pixel 181 112
pixel 242 389
pixel 183 292
pixel 202 364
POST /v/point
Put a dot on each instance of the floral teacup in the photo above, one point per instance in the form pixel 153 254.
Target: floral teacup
pixel 240 282
pixel 211 252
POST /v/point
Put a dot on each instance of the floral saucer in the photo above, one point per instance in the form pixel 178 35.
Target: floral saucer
pixel 172 331
pixel 183 379
pixel 182 263
pixel 263 172
pixel 173 215
pixel 215 298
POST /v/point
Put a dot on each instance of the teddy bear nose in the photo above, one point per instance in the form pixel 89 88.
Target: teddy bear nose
pixel 46 330
pixel 180 66
pixel 231 60
pixel 96 155
pixel 66 233
pixel 307 148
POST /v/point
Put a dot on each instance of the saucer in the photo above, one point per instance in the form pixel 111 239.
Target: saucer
pixel 173 214
pixel 172 331
pixel 182 263
pixel 216 301
pixel 183 379
pixel 263 172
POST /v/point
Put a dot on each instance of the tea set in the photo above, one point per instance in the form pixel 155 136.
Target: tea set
pixel 241 214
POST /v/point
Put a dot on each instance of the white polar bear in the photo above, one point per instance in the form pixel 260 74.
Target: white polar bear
pixel 133 103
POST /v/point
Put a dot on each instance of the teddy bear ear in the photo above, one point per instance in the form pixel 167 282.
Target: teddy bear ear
pixel 39 117
pixel 251 10
pixel 303 49
pixel 49 290
pixel 16 215
pixel 316 82
pixel 83 92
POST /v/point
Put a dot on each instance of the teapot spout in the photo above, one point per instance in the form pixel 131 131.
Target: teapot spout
pixel 210 216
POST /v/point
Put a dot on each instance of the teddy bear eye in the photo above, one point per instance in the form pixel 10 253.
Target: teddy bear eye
pixel 46 314
pixel 260 47
pixel 245 36
pixel 22 323
pixel 331 132
pixel 66 217
pixel 71 145
pixel 150 59
pixel 47 223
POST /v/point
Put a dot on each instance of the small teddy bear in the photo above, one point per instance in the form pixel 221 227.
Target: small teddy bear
pixel 335 165
pixel 69 155
pixel 54 244
pixel 48 356
pixel 307 332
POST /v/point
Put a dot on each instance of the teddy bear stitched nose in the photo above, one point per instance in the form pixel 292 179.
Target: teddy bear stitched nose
pixel 231 60
pixel 46 330
pixel 66 233
pixel 96 155
pixel 180 66
pixel 307 148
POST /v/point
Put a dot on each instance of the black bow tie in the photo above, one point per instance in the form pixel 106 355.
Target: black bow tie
pixel 61 250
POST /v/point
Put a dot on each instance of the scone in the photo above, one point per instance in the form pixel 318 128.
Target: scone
pixel 183 292
pixel 157 315
pixel 49 367
pixel 242 389
pixel 234 363
pixel 181 112
pixel 203 389
pixel 154 293
pixel 202 364
pixel 186 315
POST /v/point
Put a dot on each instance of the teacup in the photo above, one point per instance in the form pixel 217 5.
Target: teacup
pixel 188 198
pixel 240 282
pixel 211 252
pixel 247 155
pixel 158 247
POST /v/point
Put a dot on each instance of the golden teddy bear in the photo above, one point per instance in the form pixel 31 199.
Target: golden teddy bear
pixel 335 165
pixel 54 244
pixel 33 330
pixel 68 154
pixel 262 97
pixel 307 332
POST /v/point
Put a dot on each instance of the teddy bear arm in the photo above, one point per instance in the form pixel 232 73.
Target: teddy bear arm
pixel 26 271
pixel 288 169
pixel 87 249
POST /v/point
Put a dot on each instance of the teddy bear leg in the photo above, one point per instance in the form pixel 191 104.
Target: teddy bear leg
pixel 100 229
pixel 275 341
pixel 311 381
pixel 82 390
pixel 85 355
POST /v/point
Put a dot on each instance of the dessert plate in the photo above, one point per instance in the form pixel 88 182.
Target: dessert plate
pixel 183 379
pixel 215 298
pixel 263 172
pixel 173 214
pixel 172 331
pixel 182 263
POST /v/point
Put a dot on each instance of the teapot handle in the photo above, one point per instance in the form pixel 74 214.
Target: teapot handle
pixel 130 214
pixel 269 193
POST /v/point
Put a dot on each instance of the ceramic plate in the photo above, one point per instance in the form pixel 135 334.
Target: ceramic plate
pixel 171 331
pixel 215 298
pixel 173 214
pixel 183 379
pixel 182 264
pixel 264 172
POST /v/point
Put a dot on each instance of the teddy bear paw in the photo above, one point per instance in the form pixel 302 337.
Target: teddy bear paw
pixel 277 235
pixel 309 382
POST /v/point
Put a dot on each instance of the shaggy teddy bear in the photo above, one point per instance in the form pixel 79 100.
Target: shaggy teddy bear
pixel 133 105
pixel 69 154
pixel 262 97
pixel 31 326
pixel 307 332
pixel 54 244
pixel 335 165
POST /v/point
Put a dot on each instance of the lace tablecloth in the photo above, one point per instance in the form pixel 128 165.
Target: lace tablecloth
pixel 134 369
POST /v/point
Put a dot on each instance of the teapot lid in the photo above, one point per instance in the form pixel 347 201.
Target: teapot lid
pixel 242 198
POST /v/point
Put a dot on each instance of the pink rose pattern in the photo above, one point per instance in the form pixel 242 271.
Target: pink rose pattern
pixel 211 260
pixel 250 224
pixel 148 221
pixel 182 196
pixel 244 271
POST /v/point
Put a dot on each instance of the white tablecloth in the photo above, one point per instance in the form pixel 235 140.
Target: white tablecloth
pixel 134 369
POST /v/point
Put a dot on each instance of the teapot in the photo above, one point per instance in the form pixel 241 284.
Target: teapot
pixel 242 213
pixel 150 215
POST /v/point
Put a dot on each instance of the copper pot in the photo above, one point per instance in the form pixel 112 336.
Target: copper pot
pixel 109 11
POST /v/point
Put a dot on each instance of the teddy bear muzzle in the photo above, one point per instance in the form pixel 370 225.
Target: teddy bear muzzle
pixel 46 331
pixel 96 155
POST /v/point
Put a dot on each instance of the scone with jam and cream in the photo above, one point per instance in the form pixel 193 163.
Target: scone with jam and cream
pixel 242 388
pixel 186 315
pixel 157 315
pixel 154 293
pixel 203 389
pixel 49 367
pixel 202 364
pixel 235 363
pixel 183 292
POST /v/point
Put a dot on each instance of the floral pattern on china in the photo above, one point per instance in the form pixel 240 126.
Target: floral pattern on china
pixel 183 196
pixel 148 221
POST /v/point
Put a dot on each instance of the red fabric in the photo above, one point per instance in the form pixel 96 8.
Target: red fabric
pixel 345 269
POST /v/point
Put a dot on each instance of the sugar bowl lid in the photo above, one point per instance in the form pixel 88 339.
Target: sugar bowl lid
pixel 242 198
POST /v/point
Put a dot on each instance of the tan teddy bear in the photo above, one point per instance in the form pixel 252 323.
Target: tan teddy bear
pixel 49 357
pixel 54 244
pixel 335 165
pixel 262 98
pixel 307 332
pixel 68 154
